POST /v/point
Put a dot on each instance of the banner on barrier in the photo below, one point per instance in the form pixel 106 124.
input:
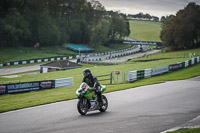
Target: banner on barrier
pixel 47 84
pixel 2 89
pixel 159 70
pixel 175 67
pixel 140 42
pixel 22 87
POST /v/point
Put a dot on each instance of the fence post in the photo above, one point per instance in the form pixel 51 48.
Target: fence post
pixel 111 78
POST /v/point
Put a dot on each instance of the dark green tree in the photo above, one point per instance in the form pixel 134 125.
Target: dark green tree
pixel 182 30
pixel 54 22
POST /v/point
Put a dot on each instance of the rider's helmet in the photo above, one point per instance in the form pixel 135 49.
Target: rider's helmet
pixel 86 72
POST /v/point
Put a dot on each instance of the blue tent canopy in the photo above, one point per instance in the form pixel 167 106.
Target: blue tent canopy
pixel 79 47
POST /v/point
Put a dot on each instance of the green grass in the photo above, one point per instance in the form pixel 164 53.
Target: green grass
pixel 145 30
pixel 193 130
pixel 170 57
pixel 9 54
pixel 18 101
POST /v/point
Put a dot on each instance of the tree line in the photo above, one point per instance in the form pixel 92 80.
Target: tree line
pixel 54 22
pixel 182 31
pixel 142 16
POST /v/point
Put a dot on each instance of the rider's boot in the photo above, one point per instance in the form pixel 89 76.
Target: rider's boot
pixel 99 98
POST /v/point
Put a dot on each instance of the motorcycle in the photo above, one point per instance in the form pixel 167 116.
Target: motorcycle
pixel 88 99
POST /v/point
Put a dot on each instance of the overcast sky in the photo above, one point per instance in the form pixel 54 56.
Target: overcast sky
pixel 153 7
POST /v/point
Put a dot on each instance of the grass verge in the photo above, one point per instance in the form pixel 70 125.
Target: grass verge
pixel 193 130
pixel 24 100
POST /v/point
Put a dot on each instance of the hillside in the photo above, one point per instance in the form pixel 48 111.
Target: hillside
pixel 145 30
pixel 9 54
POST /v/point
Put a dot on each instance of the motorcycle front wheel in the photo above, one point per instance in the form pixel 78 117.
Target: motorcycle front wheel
pixel 104 104
pixel 82 106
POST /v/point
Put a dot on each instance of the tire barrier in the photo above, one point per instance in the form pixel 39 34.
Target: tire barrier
pixel 34 86
pixel 35 61
pixel 141 74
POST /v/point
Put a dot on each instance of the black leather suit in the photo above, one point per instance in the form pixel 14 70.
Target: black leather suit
pixel 93 82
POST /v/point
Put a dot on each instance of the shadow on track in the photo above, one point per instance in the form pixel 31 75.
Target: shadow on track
pixel 95 114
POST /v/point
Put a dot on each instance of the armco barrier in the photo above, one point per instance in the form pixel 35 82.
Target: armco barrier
pixel 136 75
pixel 198 59
pixel 186 63
pixel 192 62
pixel 132 76
pixel 175 67
pixel 34 86
pixel 140 74
pixel 26 86
pixel 159 70
pixel 147 73
pixel 66 82
pixel 2 89
pixel 22 87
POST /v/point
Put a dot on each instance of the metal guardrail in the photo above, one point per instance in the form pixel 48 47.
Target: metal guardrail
pixel 66 82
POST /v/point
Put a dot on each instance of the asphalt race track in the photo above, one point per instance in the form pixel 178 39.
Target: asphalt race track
pixel 147 109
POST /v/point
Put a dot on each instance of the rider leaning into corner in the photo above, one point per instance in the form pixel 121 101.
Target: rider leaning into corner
pixel 92 82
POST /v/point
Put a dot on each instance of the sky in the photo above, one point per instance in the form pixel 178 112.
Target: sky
pixel 157 8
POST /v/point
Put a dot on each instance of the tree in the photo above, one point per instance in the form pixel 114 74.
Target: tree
pixel 163 19
pixel 54 22
pixel 48 32
pixel 100 33
pixel 14 29
pixel 182 30
pixel 118 29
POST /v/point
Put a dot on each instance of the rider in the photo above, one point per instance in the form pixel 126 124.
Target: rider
pixel 92 82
